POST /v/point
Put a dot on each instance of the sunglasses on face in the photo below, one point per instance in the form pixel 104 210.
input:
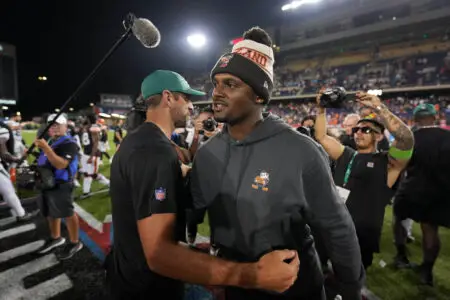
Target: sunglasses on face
pixel 364 129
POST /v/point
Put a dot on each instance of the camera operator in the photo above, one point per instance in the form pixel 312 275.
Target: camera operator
pixel 204 127
pixel 307 126
pixel 365 177
pixel 347 139
pixel 56 168
pixel 423 192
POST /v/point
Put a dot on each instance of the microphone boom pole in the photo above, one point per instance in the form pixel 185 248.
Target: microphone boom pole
pixel 128 26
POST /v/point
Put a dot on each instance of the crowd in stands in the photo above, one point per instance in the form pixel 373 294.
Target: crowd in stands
pixel 293 112
pixel 411 64
pixel 393 66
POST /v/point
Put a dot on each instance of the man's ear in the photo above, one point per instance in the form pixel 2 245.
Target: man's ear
pixel 167 98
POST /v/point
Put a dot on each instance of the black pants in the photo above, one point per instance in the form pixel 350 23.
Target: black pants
pixel 58 202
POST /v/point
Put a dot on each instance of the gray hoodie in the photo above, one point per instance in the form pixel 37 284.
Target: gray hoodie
pixel 263 191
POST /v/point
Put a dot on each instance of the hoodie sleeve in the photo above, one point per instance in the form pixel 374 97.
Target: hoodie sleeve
pixel 333 222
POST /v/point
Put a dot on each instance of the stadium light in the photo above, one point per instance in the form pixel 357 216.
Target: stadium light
pixel 57 110
pixel 296 4
pixel 42 78
pixel 5 107
pixel 196 40
pixel 71 109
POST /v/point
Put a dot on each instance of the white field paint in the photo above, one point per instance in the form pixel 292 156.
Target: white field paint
pixel 17 230
pixel 7 221
pixel 48 288
pixel 19 251
pixel 11 280
pixel 11 286
pixel 88 218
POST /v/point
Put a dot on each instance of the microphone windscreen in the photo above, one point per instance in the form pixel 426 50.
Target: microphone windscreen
pixel 146 32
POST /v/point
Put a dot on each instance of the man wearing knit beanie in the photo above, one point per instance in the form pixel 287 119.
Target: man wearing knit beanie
pixel 262 182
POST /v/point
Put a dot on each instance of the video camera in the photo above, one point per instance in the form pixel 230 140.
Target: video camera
pixel 209 125
pixel 333 97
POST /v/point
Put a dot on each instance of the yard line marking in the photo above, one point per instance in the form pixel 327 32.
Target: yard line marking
pixel 49 288
pixel 88 218
pixel 19 251
pixel 7 221
pixel 17 230
pixel 11 280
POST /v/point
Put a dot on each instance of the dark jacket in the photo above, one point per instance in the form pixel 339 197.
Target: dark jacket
pixel 263 191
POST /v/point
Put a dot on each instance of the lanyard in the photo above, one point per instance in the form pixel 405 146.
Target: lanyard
pixel 349 169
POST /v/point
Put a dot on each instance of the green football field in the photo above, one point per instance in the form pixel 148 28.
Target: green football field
pixel 386 283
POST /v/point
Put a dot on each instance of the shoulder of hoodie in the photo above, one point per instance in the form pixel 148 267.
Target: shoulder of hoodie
pixel 300 142
pixel 297 143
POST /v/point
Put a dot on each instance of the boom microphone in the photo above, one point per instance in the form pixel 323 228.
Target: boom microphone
pixel 142 29
pixel 146 33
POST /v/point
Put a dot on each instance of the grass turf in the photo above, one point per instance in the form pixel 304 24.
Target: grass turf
pixel 386 283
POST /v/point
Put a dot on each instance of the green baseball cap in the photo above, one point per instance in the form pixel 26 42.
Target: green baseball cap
pixel 424 110
pixel 161 80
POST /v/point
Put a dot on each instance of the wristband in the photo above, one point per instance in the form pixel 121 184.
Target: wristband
pixel 400 154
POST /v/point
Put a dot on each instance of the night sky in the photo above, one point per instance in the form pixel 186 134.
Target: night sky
pixel 64 40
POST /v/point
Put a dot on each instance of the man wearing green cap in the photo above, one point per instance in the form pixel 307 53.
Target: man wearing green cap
pixel 148 207
pixel 423 191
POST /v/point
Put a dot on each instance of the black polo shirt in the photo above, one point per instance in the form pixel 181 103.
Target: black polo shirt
pixel 146 179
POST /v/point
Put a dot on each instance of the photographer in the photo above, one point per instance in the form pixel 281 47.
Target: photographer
pixel 205 127
pixel 307 126
pixel 365 177
pixel 57 166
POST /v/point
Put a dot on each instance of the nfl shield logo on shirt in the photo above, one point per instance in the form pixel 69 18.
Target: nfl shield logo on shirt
pixel 160 194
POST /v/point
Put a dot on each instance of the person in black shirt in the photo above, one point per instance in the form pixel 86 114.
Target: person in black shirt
pixel 383 144
pixel 423 193
pixel 365 177
pixel 307 126
pixel 148 208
